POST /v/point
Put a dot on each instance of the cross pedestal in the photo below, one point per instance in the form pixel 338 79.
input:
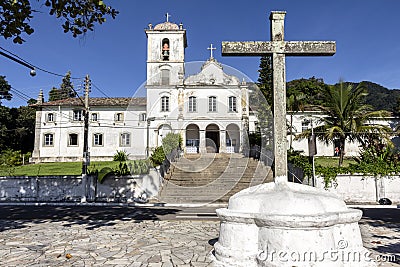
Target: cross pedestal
pixel 281 223
pixel 279 49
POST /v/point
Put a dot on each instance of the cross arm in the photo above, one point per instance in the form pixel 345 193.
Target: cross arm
pixel 292 48
pixel 252 48
pixel 310 48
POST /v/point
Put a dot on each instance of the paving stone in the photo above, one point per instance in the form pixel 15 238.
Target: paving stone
pixel 129 243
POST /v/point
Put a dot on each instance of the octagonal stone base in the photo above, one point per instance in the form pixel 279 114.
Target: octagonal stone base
pixel 287 224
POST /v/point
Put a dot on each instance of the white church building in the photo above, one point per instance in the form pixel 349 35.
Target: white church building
pixel 209 109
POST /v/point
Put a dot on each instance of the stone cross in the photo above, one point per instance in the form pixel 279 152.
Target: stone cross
pixel 211 48
pixel 279 49
pixel 167 15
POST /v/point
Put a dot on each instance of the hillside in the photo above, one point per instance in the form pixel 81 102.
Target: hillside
pixel 381 97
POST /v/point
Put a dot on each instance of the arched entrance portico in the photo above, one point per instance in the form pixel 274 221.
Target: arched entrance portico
pixel 163 130
pixel 232 138
pixel 212 138
pixel 192 139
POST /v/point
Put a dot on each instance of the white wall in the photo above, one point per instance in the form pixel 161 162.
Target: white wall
pixel 106 125
pixel 365 189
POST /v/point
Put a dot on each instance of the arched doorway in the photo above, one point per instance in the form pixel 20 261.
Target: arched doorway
pixel 192 139
pixel 212 138
pixel 163 130
pixel 232 138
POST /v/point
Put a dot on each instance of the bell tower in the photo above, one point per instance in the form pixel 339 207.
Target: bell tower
pixel 166 43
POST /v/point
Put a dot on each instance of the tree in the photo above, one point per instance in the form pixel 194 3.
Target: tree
pixel 78 16
pixel 265 79
pixel 25 129
pixel 311 88
pixel 66 89
pixel 261 101
pixel 346 117
pixel 4 89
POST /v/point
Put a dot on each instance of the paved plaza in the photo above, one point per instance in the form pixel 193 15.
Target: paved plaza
pixel 129 236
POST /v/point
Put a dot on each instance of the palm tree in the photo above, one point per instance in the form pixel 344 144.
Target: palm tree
pixel 347 117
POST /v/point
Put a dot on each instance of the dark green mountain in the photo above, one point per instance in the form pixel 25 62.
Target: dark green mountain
pixel 381 97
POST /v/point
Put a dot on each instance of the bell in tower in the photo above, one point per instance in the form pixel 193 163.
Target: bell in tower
pixel 165 49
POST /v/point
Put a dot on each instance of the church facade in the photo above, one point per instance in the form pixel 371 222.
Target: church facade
pixel 208 109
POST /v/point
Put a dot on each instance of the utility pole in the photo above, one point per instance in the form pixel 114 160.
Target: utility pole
pixel 86 155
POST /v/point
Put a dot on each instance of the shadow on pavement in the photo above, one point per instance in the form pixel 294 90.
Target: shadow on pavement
pixel 388 218
pixel 12 217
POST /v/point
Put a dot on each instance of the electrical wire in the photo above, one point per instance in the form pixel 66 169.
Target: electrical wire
pixel 38 68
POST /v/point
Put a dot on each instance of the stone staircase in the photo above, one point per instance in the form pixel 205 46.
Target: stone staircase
pixel 211 178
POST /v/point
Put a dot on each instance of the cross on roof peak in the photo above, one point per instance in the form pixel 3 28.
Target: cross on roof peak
pixel 167 15
pixel 211 48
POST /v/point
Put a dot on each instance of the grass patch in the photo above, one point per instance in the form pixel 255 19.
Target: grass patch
pixel 53 168
pixel 333 161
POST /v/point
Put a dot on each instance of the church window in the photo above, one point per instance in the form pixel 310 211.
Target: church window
pixel 50 117
pixel 73 140
pixel 48 139
pixel 232 104
pixel 165 103
pixel 212 104
pixel 142 117
pixel 192 104
pixel 95 116
pixel 119 117
pixel 125 139
pixel 77 115
pixel 165 49
pixel 97 139
pixel 164 77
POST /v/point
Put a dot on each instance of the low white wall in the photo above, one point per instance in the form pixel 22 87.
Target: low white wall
pixel 78 188
pixel 365 189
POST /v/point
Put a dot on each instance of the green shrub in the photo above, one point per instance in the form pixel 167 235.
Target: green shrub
pixel 170 142
pixel 11 158
pixel 158 156
pixel 121 156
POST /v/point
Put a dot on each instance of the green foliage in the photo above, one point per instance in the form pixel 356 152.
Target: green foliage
pixel 379 160
pixel 10 158
pixel 78 17
pixel 122 169
pixel 255 139
pixel 135 167
pixel 379 97
pixel 17 128
pixel 264 81
pixel 104 173
pixel 312 89
pixel 4 89
pixel 300 161
pixel 66 89
pixel 347 118
pixel 170 142
pixel 158 156
pixel 261 100
pixel 121 156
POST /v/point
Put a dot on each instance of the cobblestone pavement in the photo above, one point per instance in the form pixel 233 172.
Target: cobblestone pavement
pixel 128 242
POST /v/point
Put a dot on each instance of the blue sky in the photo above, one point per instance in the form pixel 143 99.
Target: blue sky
pixel 366 32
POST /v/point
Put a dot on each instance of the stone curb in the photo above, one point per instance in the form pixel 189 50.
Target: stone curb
pixel 374 206
pixel 185 205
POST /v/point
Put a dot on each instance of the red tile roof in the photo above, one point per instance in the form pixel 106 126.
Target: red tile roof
pixel 97 101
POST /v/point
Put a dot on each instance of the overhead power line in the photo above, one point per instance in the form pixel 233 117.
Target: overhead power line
pixel 18 59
